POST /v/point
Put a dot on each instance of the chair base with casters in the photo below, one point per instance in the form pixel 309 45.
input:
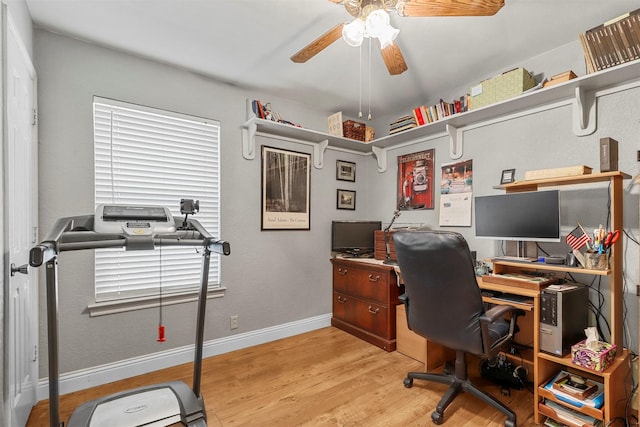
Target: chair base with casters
pixel 459 382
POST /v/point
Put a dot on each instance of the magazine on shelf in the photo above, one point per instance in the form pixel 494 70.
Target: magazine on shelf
pixel 570 416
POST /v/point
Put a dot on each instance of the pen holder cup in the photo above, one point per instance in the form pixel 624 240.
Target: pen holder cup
pixel 596 261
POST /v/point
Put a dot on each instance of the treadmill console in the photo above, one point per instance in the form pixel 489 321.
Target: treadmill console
pixel 133 220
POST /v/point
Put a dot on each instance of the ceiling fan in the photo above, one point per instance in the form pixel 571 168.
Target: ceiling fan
pixel 391 54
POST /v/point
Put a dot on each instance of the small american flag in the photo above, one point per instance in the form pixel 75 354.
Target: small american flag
pixel 577 238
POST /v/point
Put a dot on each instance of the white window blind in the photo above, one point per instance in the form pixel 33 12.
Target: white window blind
pixel 145 156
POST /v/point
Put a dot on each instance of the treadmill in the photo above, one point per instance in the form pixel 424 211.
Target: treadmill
pixel 134 228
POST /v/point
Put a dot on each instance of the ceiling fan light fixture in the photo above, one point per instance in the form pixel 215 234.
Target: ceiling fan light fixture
pixel 353 33
pixel 376 23
pixel 387 36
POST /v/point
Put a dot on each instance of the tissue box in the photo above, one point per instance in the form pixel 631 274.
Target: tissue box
pixel 595 360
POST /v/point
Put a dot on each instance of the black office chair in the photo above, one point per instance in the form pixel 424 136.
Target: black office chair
pixel 444 304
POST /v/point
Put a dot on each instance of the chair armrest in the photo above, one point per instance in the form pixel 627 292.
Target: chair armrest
pixel 498 311
pixel 492 315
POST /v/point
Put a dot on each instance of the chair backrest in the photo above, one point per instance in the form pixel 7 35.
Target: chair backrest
pixel 444 302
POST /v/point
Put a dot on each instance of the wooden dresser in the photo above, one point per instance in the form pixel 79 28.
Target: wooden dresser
pixel 365 295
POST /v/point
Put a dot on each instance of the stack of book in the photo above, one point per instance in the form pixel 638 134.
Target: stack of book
pixel 426 114
pixel 615 42
pixel 402 124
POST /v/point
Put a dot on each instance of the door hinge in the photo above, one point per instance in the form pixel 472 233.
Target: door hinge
pixel 35 117
pixel 35 353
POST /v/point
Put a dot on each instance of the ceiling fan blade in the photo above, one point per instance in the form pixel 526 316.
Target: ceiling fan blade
pixel 316 46
pixel 448 7
pixel 393 59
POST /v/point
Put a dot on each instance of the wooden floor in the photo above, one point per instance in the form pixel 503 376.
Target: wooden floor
pixel 321 378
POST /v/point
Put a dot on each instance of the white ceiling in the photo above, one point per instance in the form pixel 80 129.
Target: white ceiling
pixel 249 42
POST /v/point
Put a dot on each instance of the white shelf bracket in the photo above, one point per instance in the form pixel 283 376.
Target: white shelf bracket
pixel 584 112
pixel 381 157
pixel 318 153
pixel 249 140
pixel 455 141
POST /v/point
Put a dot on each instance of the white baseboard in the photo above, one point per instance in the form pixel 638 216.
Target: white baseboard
pixel 98 375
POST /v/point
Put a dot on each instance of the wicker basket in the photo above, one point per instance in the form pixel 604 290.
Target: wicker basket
pixel 354 130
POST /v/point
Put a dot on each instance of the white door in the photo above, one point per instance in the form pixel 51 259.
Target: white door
pixel 20 185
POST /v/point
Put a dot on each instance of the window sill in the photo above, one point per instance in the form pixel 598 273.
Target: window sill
pixel 121 306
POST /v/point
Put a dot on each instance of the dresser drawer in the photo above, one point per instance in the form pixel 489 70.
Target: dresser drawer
pixel 369 316
pixel 369 284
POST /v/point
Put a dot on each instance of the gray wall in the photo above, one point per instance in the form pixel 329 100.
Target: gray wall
pixel 272 277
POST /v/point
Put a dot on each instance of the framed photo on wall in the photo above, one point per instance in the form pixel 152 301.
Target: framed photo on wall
pixel 346 199
pixel 345 171
pixel 286 177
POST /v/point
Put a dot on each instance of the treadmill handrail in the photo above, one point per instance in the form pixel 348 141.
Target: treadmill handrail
pixel 76 233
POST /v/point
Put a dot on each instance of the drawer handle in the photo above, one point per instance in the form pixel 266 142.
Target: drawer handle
pixel 373 278
pixel 342 271
pixel 342 300
pixel 374 310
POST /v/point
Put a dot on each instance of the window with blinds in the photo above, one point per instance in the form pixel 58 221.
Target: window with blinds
pixel 145 156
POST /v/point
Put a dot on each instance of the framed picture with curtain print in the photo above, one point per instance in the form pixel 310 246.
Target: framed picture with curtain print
pixel 286 177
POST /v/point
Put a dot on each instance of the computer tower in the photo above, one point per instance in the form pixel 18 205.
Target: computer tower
pixel 564 316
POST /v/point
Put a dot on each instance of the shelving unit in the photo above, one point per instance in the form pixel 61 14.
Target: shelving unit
pixel 581 93
pixel 546 365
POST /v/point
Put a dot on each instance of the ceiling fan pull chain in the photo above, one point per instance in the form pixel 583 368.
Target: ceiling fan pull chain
pixel 369 117
pixel 360 85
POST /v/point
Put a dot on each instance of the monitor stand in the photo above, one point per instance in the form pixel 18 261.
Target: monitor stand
pixel 521 249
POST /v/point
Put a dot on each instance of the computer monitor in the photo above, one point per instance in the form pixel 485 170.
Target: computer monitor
pixel 527 216
pixel 354 237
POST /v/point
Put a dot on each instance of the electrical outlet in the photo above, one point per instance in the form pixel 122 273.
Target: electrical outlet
pixel 233 322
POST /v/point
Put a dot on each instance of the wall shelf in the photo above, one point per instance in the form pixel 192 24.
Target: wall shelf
pixel 580 92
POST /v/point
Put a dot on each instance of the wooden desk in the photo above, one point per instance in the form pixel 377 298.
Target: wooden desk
pixel 365 295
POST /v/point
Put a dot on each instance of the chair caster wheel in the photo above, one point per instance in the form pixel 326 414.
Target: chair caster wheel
pixel 408 382
pixel 509 423
pixel 438 418
pixel 448 368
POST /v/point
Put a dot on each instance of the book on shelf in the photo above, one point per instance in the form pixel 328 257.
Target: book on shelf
pixel 612 43
pixel 257 108
pixel 418 116
pixel 576 390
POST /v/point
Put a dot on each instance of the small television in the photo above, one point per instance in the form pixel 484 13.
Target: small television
pixel 526 216
pixel 355 238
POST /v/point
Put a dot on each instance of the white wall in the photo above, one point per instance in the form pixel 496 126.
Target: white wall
pixel 272 277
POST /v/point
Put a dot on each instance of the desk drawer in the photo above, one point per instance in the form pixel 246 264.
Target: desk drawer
pixel 369 284
pixel 369 316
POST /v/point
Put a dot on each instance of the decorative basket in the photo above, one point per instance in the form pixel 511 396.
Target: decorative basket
pixel 354 130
